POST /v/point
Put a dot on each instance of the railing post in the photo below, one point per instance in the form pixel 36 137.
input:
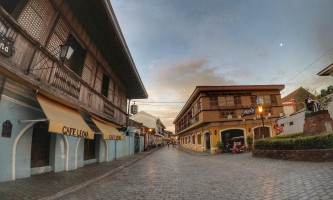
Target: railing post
pixel 37 45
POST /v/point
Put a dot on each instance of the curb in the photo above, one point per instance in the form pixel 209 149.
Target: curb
pixel 86 183
pixel 193 153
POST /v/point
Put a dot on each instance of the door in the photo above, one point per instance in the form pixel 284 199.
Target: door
pixel 207 141
pixel 261 132
pixel 137 143
pixel 40 145
pixel 89 149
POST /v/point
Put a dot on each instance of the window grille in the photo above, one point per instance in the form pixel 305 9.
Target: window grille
pixel 36 17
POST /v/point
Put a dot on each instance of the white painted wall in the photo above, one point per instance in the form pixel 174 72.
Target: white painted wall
pixel 297 120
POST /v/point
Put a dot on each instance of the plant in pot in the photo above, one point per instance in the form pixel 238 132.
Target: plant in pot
pixel 219 146
pixel 249 141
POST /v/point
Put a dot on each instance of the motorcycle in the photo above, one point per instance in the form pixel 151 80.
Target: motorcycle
pixel 238 149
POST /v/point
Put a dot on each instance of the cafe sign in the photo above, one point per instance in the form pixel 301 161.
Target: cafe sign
pixel 6 46
pixel 249 111
pixel 112 137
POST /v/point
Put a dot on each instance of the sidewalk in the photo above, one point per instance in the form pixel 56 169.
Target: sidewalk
pixel 54 185
pixel 197 153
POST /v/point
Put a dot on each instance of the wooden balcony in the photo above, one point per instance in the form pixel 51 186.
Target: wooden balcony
pixel 43 70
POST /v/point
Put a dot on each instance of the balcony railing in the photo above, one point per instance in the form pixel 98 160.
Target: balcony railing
pixel 51 74
pixel 188 124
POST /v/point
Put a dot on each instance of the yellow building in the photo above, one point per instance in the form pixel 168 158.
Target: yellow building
pixel 219 113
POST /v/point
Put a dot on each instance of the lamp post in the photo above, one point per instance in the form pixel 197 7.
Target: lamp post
pixel 260 109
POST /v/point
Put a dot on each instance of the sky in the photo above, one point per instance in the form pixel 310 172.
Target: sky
pixel 180 44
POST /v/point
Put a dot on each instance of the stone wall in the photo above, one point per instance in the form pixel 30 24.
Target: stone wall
pixel 314 155
pixel 317 122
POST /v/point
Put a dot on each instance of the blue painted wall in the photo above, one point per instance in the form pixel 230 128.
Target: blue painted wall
pixel 19 103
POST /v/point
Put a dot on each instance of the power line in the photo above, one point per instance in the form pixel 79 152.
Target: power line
pixel 310 65
pixel 158 102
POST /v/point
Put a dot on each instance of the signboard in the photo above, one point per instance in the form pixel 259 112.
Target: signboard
pixel 249 111
pixel 6 46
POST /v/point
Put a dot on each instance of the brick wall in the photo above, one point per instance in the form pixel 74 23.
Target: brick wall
pixel 315 122
pixel 314 155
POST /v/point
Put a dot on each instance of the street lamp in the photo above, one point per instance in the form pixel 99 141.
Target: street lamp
pixel 260 109
pixel 66 51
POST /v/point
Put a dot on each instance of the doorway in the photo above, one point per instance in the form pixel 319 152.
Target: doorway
pixel 261 132
pixel 227 135
pixel 40 145
pixel 89 149
pixel 137 143
pixel 207 138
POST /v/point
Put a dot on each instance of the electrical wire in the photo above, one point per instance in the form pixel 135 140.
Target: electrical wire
pixel 309 65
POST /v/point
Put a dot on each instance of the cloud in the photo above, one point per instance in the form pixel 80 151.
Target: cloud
pixel 177 81
pixel 181 78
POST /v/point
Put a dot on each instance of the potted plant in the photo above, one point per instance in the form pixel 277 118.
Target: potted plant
pixel 249 141
pixel 219 146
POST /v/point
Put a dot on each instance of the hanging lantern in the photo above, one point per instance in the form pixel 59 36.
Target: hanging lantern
pixel 66 51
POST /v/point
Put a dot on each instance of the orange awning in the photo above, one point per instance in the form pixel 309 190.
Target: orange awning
pixel 63 119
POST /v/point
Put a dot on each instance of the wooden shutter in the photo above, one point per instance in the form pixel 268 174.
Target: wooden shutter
pixel 58 37
pixel 36 17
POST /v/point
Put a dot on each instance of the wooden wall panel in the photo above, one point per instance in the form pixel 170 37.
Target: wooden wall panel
pixel 23 52
pixel 84 95
pixel 98 85
pixel 86 74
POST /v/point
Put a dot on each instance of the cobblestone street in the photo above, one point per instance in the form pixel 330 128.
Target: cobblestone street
pixel 175 174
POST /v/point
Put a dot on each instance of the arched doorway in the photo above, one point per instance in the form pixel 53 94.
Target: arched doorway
pixel 261 132
pixel 40 145
pixel 227 135
pixel 207 140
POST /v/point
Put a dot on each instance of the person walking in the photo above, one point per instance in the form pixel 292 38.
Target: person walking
pixel 168 144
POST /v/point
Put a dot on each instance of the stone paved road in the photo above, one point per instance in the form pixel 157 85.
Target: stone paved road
pixel 174 174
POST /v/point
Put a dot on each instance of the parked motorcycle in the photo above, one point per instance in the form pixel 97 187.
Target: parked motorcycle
pixel 238 149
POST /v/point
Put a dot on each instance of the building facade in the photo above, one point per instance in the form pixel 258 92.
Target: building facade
pixel 153 127
pixel 60 114
pixel 218 113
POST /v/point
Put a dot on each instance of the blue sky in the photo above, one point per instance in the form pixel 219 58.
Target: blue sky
pixel 179 44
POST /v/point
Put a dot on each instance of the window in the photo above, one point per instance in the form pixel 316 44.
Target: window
pixel 253 100
pixel 226 101
pixel 224 114
pixel 105 85
pixel 76 62
pixel 3 28
pixel 193 139
pixel 238 100
pixel 199 139
pixel 196 108
pixel 291 123
pixel 7 129
pixel 273 99
pixel 13 7
pixel 189 139
pixel 267 99
pixel 213 101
